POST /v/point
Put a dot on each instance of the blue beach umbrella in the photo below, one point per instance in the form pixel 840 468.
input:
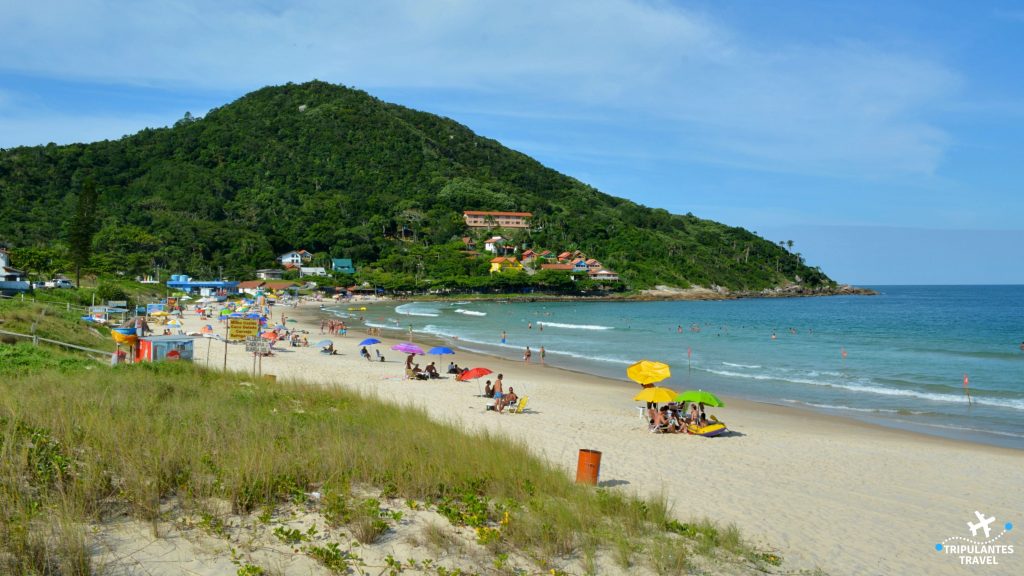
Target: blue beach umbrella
pixel 441 350
pixel 369 342
pixel 323 343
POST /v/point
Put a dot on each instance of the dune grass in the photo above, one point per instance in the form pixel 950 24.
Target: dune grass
pixel 76 446
pixel 51 321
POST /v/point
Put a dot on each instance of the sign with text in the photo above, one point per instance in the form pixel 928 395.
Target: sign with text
pixel 257 345
pixel 239 328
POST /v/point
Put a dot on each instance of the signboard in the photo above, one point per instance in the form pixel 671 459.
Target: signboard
pixel 239 328
pixel 117 303
pixel 150 308
pixel 257 345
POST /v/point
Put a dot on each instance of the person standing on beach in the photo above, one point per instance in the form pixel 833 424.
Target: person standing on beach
pixel 499 391
pixel 502 336
pixel 542 355
pixel 526 355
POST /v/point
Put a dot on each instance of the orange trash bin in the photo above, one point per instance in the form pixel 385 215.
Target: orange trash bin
pixel 588 466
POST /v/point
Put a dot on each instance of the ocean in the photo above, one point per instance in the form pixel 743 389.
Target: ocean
pixel 898 359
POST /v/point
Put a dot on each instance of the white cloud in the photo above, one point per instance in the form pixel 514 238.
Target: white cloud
pixel 837 109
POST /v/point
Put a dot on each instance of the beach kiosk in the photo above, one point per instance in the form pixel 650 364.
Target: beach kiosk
pixel 157 348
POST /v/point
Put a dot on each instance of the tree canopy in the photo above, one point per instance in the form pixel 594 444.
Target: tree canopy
pixel 342 174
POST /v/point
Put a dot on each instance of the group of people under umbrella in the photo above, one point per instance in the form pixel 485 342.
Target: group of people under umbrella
pixel 673 416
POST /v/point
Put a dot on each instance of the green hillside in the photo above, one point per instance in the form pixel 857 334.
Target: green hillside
pixel 342 174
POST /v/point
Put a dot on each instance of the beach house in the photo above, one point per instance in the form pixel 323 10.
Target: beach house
pixel 270 274
pixel 481 219
pixel 343 265
pixel 495 244
pixel 11 279
pixel 505 263
pixel 295 258
pixel 604 275
pixel 580 265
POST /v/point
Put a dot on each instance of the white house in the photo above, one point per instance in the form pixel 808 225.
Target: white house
pixel 312 271
pixel 269 274
pixel 11 280
pixel 494 244
pixel 295 258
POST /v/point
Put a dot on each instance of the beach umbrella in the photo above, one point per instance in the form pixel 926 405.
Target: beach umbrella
pixel 473 373
pixel 439 350
pixel 369 342
pixel 159 313
pixel 269 336
pixel 700 396
pixel 174 322
pixel 279 327
pixel 648 372
pixel 655 394
pixel 408 348
pixel 323 343
pixel 224 311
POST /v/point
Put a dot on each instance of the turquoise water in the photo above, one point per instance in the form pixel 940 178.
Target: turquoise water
pixel 907 349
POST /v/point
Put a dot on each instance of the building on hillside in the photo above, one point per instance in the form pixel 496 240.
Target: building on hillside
pixel 604 275
pixel 11 279
pixel 546 254
pixel 505 263
pixel 203 287
pixel 593 265
pixel 343 265
pixel 252 287
pixel 557 267
pixel 270 274
pixel 469 243
pixel 295 258
pixel 312 271
pixel 528 256
pixel 495 244
pixel 580 265
pixel 480 219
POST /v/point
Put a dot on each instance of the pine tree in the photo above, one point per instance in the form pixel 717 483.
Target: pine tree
pixel 82 229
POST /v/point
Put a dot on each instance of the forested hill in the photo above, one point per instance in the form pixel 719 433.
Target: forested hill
pixel 342 174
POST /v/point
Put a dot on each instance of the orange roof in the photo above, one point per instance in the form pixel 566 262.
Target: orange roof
pixel 482 213
pixel 556 266
pixel 509 259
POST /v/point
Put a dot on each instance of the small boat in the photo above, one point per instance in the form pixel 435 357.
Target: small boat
pixel 712 428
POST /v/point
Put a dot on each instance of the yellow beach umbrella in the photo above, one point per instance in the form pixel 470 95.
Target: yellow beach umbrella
pixel 655 394
pixel 648 372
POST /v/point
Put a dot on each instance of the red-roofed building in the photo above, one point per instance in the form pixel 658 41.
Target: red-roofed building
pixel 481 219
pixel 558 267
pixel 503 263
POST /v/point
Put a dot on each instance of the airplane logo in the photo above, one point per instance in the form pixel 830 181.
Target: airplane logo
pixel 982 523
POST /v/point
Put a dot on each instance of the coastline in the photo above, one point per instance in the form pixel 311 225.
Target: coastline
pixel 815 487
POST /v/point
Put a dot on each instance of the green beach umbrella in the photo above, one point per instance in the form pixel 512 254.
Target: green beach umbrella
pixel 700 396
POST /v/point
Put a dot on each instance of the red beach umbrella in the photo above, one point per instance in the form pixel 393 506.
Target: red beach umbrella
pixel 473 373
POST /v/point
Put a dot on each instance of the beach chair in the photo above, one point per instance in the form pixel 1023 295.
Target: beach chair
pixel 518 406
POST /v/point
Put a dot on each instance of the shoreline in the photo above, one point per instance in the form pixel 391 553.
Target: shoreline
pixel 814 487
pixel 966 437
pixel 625 386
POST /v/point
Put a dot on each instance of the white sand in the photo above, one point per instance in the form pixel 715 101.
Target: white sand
pixel 825 492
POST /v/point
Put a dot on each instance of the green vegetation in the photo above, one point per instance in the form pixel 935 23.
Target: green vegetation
pixel 55 322
pixel 337 172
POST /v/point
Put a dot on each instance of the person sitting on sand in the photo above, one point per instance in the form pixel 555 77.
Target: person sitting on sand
pixel 452 368
pixel 408 361
pixel 703 419
pixel 365 354
pixel 418 373
pixel 329 349
pixel 432 371
pixel 488 390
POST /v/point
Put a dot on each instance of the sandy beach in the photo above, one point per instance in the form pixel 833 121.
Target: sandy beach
pixel 829 493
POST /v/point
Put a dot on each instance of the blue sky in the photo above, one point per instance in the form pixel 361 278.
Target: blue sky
pixel 885 139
